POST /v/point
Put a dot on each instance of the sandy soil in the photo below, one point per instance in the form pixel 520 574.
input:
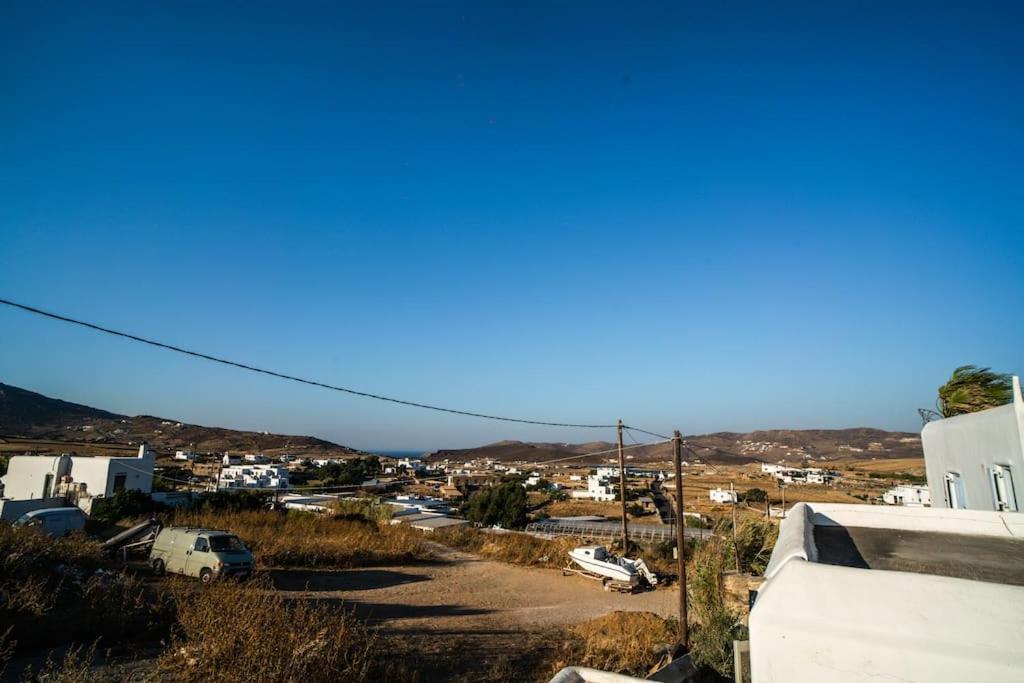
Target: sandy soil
pixel 459 592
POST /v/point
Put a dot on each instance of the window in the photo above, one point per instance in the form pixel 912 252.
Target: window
pixel 1003 495
pixel 229 544
pixel 47 485
pixel 955 496
pixel 119 480
pixel 202 545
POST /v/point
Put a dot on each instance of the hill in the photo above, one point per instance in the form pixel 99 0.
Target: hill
pixel 790 445
pixel 34 416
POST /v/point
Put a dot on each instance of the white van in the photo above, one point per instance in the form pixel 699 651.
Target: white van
pixel 203 553
pixel 54 521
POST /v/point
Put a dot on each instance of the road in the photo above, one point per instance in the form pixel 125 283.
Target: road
pixel 462 593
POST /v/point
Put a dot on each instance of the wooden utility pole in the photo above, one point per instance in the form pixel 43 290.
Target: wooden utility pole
pixel 735 545
pixel 677 456
pixel 622 495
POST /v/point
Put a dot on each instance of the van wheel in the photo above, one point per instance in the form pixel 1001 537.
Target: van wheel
pixel 158 567
pixel 205 576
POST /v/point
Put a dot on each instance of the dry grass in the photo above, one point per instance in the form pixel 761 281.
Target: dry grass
pixel 229 632
pixel 300 539
pixel 515 548
pixel 60 590
pixel 624 642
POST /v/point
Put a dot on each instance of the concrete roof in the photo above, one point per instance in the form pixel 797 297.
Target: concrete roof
pixel 436 522
pixel 961 556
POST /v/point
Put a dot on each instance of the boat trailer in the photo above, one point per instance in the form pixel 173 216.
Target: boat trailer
pixel 609 584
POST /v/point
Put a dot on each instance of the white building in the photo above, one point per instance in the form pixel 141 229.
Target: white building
pixel 723 496
pixel 186 456
pixel 910 496
pixel 815 475
pixel 77 479
pixel 976 461
pixel 229 459
pixel 253 477
pixel 414 464
pixel 598 488
pixel 324 462
pixel 256 458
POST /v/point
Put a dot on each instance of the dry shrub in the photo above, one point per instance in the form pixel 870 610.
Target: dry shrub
pixel 624 642
pixel 755 540
pixel 716 625
pixel 74 667
pixel 512 547
pixel 25 551
pixel 304 539
pixel 232 632
pixel 56 590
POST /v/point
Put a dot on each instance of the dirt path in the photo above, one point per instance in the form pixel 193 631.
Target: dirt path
pixel 459 592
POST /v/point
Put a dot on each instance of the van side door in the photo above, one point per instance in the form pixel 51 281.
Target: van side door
pixel 199 556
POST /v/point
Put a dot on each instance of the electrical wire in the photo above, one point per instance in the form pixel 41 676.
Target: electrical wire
pixel 292 378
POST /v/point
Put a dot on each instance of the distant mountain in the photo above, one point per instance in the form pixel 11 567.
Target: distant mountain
pixel 25 413
pixel 790 445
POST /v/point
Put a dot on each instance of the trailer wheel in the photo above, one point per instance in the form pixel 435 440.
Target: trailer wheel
pixel 158 567
pixel 206 575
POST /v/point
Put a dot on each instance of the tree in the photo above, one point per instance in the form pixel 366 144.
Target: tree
pixel 504 504
pixel 755 495
pixel 349 472
pixel 971 389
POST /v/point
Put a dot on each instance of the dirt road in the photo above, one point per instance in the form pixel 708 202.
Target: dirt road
pixel 459 592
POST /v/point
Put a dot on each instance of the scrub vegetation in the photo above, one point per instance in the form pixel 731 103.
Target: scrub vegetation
pixel 624 642
pixel 514 548
pixel 299 539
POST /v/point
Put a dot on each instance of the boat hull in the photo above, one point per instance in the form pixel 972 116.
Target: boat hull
pixel 606 569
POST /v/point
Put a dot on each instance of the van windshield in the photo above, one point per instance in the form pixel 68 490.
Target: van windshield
pixel 226 544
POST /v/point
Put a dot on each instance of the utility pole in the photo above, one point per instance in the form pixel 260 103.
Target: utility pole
pixel 622 494
pixel 735 545
pixel 677 456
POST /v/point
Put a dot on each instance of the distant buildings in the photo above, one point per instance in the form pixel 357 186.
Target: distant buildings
pixel 253 477
pixel 799 475
pixel 723 496
pixel 910 496
pixel 598 488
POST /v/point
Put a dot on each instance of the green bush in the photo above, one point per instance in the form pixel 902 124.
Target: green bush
pixel 504 504
pixel 234 501
pixel 755 496
pixel 125 504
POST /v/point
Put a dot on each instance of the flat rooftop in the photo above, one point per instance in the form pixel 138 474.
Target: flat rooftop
pixel 961 556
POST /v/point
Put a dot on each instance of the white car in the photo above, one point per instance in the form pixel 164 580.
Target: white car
pixel 54 521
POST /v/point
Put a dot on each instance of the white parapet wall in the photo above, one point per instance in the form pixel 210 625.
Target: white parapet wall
pixel 821 622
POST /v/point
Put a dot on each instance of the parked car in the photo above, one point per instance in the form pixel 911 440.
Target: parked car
pixel 54 521
pixel 204 553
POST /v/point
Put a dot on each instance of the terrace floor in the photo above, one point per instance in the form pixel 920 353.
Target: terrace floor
pixel 979 558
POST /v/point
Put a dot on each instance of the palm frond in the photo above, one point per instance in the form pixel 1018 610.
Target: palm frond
pixel 971 389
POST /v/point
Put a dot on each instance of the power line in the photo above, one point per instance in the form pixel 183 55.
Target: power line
pixel 610 450
pixel 292 378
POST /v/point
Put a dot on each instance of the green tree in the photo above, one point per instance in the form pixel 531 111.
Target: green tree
pixel 348 472
pixel 971 389
pixel 755 496
pixel 504 504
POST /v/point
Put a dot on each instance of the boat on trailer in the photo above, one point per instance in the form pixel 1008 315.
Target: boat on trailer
pixel 595 559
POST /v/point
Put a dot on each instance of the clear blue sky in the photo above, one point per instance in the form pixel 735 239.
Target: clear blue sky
pixel 686 215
